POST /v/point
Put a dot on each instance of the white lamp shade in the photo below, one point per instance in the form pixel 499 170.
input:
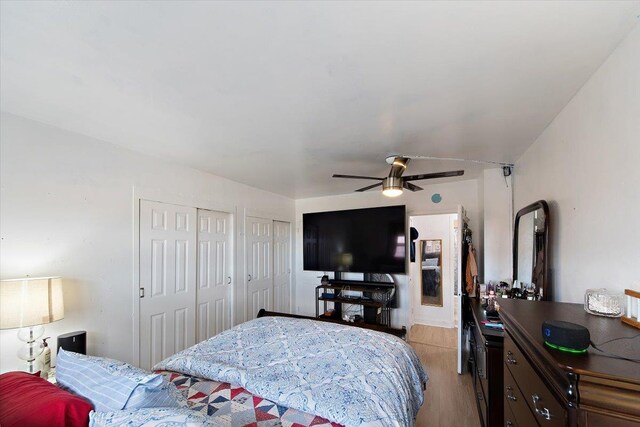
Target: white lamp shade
pixel 30 302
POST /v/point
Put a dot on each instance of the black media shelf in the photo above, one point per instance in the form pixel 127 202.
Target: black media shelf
pixel 377 297
pixel 356 301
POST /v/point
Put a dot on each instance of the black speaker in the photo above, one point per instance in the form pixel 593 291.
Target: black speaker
pixel 566 336
pixel 370 315
pixel 73 341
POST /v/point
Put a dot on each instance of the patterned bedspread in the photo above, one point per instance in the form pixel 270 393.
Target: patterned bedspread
pixel 231 405
pixel 211 403
pixel 348 375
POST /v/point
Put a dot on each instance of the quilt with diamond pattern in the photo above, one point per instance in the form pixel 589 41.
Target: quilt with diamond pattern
pixel 235 406
pixel 211 403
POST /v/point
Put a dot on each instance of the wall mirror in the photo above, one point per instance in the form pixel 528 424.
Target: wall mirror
pixel 431 277
pixel 530 251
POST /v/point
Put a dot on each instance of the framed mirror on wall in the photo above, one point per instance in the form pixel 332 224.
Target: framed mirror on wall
pixel 530 252
pixel 431 273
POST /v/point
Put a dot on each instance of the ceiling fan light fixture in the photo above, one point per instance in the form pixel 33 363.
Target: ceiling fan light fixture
pixel 392 192
pixel 392 187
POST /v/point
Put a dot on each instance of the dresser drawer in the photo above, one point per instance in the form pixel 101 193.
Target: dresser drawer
pixel 481 362
pixel 548 411
pixel 480 400
pixel 482 405
pixel 509 418
pixel 515 403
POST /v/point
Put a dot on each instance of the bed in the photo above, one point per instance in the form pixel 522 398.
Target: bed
pixel 346 375
pixel 282 371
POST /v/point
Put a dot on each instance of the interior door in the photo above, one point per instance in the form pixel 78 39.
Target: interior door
pixel 167 280
pixel 259 265
pixel 433 283
pixel 459 297
pixel 214 279
pixel 281 266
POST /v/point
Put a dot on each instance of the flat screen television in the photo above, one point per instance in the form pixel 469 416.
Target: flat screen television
pixel 359 240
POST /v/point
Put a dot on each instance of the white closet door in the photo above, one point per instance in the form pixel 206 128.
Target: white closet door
pixel 259 266
pixel 214 273
pixel 281 266
pixel 167 279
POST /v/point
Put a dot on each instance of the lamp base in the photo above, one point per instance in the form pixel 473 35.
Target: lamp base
pixel 30 351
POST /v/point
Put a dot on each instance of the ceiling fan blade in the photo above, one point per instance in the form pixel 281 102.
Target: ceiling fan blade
pixel 433 175
pixel 412 187
pixel 398 166
pixel 336 175
pixel 369 187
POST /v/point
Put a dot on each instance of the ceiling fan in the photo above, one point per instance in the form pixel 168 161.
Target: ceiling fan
pixel 393 185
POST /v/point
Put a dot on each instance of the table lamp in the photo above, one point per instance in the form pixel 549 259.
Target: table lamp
pixel 28 304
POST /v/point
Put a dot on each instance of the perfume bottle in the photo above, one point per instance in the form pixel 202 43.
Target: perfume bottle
pixel 491 301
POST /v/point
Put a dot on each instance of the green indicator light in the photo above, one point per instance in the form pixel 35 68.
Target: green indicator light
pixel 565 349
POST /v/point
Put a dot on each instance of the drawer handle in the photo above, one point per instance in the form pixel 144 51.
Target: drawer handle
pixel 510 359
pixel 510 394
pixel 544 412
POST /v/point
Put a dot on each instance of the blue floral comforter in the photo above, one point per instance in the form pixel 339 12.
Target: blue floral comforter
pixel 345 374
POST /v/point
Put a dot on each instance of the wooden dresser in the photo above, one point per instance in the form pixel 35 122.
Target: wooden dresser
pixel 547 387
pixel 486 366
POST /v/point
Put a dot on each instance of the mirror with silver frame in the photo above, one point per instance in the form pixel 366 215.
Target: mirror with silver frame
pixel 530 252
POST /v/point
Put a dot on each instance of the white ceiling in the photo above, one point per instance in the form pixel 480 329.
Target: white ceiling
pixel 281 95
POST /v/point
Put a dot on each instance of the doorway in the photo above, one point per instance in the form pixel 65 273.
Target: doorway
pixel 435 273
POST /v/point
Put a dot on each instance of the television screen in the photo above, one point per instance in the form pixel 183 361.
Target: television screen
pixel 359 240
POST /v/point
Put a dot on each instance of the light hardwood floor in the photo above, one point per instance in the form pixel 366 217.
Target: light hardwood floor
pixel 449 399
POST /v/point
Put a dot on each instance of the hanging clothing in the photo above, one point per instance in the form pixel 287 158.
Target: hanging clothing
pixel 538 270
pixel 471 271
pixel 413 234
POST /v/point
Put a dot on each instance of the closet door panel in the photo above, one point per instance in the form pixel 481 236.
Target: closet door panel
pixel 259 240
pixel 167 280
pixel 214 273
pixel 281 266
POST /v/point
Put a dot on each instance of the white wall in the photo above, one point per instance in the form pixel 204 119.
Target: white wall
pixel 498 225
pixel 67 210
pixel 463 193
pixel 586 164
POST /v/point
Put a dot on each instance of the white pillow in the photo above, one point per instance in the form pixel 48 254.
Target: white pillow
pixel 111 385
